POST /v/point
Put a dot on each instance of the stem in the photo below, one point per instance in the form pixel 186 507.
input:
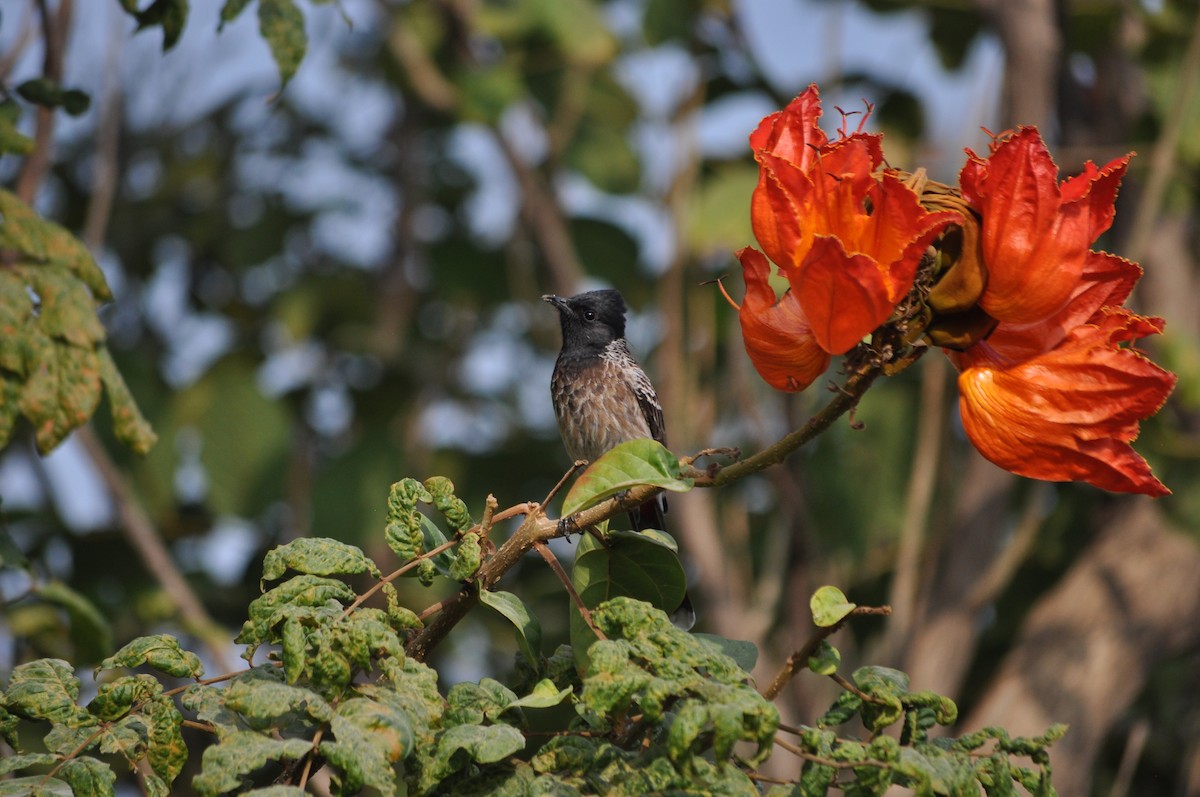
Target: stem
pixel 800 657
pixel 584 612
pixel 847 398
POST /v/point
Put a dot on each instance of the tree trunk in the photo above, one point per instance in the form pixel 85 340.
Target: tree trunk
pixel 1085 651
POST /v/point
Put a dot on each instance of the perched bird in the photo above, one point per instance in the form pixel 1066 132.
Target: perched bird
pixel 602 397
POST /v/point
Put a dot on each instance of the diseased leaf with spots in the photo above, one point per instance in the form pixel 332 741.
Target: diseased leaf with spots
pixel 46 689
pixel 35 786
pixel 89 777
pixel 318 557
pixel 160 651
pixel 114 699
pixel 463 744
pixel 368 738
pixel 829 606
pixel 225 765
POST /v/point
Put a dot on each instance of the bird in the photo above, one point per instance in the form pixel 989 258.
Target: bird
pixel 603 398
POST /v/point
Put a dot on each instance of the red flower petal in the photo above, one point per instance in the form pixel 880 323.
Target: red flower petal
pixel 793 133
pixel 1107 281
pixel 1068 414
pixel 777 336
pixel 861 263
pixel 1035 234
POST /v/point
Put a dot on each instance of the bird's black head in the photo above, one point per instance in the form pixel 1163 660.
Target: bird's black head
pixel 590 320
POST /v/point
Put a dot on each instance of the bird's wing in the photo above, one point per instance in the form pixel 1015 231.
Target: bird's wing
pixel 642 388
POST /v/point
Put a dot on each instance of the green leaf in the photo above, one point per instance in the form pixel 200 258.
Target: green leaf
pixel 76 102
pixel 282 25
pixel 369 737
pixel 470 703
pixel 265 702
pixel 461 744
pixel 114 699
pixel 126 737
pixel 231 10
pixel 89 777
pixel 451 506
pixel 743 652
pixel 11 139
pixel 318 556
pixel 467 557
pixel 628 564
pixel 90 632
pixel 267 610
pixel 41 91
pixel 627 465
pixel 528 628
pixel 170 15
pixel 129 426
pixel 165 748
pixel 277 791
pixel 544 695
pixel 829 606
pixel 46 689
pixel 160 651
pixel 225 764
pixel 23 760
pixel 208 704
pixel 35 786
pixel 826 660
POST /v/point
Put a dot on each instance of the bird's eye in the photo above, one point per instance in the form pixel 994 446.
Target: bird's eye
pixel 589 315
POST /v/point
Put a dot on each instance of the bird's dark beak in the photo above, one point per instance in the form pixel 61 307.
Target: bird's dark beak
pixel 559 302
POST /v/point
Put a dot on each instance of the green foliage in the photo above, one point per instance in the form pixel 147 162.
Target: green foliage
pixel 829 606
pixel 627 465
pixel 53 361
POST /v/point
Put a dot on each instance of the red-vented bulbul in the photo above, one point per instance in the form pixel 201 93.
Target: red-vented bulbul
pixel 602 397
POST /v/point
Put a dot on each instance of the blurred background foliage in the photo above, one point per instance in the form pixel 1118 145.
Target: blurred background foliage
pixel 325 287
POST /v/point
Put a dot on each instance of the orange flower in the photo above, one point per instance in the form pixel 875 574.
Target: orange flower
pixel 1051 393
pixel 1036 234
pixel 847 239
pixel 1070 413
pixel 776 333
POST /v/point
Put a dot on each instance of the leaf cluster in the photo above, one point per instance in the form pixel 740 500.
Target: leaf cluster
pixel 651 708
pixel 53 361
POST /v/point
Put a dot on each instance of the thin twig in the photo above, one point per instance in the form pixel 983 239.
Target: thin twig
pixel 828 762
pixel 800 657
pixel 552 560
pixel 395 574
pixel 54 30
pixel 489 516
pixel 575 468
pixel 308 759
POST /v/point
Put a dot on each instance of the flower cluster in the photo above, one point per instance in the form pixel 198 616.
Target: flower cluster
pixel 1004 278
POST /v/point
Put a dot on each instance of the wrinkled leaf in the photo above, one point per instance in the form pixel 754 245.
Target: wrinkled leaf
pixel 46 689
pixel 369 737
pixel 225 764
pixel 160 651
pixel 318 556
pixel 482 744
pixel 89 777
pixel 35 786
pixel 826 660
